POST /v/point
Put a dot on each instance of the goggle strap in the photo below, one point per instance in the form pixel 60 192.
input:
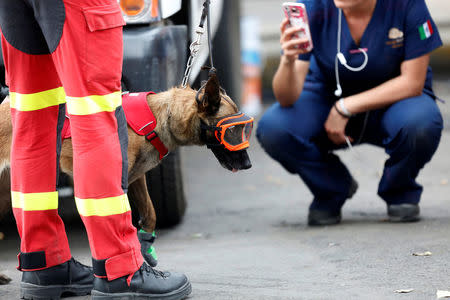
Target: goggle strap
pixel 237 119
pixel 208 127
pixel 209 146
pixel 203 129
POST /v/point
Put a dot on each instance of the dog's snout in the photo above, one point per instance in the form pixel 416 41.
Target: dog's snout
pixel 247 165
pixel 245 161
pixel 232 160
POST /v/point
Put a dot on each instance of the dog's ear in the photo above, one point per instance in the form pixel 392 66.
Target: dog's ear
pixel 210 101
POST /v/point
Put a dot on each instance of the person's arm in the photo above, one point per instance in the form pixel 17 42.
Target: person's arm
pixel 408 84
pixel 288 81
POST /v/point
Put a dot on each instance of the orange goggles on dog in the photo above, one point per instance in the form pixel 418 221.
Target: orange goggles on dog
pixel 233 132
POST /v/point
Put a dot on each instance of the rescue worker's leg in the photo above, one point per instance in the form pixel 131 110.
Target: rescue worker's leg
pixel 411 134
pixel 296 138
pixel 89 61
pixel 37 111
pixel 89 64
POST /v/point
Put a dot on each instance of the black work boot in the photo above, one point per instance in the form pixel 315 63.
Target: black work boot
pixel 405 212
pixel 146 283
pixel 68 278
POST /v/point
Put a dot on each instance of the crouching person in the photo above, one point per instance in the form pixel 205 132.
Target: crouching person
pixel 375 88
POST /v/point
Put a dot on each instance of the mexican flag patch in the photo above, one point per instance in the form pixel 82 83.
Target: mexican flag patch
pixel 425 30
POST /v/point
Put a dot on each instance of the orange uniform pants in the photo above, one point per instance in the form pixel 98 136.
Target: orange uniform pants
pixel 58 54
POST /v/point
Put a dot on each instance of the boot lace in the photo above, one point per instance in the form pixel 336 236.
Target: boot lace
pixel 149 269
pixel 76 262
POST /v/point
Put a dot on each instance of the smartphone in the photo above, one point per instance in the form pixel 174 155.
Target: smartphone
pixel 297 16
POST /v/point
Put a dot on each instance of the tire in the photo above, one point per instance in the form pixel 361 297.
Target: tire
pixel 165 187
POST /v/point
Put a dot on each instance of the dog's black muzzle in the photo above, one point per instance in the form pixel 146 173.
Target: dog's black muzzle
pixel 232 160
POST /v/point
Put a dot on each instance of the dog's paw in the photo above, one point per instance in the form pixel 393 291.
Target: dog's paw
pixel 148 251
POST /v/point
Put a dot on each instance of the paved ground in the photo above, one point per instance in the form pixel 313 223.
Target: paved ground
pixel 244 235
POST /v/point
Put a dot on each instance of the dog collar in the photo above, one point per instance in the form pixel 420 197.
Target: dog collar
pixel 141 119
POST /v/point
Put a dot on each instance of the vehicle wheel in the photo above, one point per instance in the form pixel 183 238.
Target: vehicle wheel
pixel 165 187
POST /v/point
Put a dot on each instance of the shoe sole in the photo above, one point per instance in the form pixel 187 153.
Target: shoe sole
pixel 403 213
pixel 404 219
pixel 30 291
pixel 325 222
pixel 178 294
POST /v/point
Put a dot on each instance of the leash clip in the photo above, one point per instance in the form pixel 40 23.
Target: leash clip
pixel 195 46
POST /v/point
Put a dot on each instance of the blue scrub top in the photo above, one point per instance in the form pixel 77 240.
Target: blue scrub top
pixel 399 30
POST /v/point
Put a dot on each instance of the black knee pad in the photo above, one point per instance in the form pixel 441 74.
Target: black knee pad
pixel 32 26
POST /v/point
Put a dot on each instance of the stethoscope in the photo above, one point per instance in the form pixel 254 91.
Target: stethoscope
pixel 341 58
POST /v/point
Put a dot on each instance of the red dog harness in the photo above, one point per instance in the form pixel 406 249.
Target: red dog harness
pixel 139 117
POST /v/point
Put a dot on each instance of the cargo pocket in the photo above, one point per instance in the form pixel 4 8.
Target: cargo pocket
pixel 104 43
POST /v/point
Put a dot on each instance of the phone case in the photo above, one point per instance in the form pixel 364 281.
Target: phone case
pixel 297 16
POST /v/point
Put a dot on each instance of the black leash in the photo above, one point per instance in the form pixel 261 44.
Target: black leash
pixel 195 46
pixel 206 6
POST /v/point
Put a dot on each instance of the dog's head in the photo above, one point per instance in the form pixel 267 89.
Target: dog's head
pixel 213 105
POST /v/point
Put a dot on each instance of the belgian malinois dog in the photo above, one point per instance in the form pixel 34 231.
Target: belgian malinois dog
pixel 179 114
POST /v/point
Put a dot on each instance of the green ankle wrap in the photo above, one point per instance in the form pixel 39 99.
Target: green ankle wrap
pixel 151 250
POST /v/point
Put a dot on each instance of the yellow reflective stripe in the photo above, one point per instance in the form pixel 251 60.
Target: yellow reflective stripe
pixel 35 201
pixel 35 101
pixel 103 207
pixel 94 104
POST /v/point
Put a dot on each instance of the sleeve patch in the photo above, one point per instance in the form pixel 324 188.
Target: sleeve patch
pixel 425 30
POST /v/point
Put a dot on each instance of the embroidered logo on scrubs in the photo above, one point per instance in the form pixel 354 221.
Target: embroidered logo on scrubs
pixel 396 38
pixel 425 30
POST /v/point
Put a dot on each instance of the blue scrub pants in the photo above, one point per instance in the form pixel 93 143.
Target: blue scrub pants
pixel 409 131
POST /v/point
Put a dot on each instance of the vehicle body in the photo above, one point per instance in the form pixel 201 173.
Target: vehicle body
pixel 156 45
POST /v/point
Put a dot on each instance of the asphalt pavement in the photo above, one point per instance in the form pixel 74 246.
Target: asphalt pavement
pixel 244 235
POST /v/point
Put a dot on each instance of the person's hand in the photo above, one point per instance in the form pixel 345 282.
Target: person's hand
pixel 292 47
pixel 335 127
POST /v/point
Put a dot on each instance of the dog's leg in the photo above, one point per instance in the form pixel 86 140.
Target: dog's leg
pixel 138 192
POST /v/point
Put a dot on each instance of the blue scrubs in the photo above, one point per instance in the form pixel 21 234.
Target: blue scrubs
pixel 408 130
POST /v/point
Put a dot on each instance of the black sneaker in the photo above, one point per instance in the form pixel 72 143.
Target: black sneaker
pixel 71 278
pixel 324 217
pixel 146 283
pixel 405 212
pixel 353 188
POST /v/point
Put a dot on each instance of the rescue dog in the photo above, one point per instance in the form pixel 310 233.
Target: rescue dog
pixel 179 114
